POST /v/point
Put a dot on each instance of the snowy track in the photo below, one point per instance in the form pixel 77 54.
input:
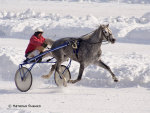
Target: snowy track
pixel 74 100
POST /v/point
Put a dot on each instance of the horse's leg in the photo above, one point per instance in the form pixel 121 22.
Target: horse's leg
pixel 103 65
pixel 79 76
pixel 50 73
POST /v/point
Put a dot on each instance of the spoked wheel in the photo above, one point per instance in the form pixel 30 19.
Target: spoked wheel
pixel 65 72
pixel 23 79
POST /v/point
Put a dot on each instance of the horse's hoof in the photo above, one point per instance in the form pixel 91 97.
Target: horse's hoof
pixel 69 81
pixel 116 80
pixel 72 81
pixel 45 76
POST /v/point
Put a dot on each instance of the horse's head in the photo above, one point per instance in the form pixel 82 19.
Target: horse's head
pixel 107 34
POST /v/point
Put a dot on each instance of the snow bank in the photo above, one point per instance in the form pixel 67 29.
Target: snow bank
pixel 145 18
pixel 139 34
pixel 23 24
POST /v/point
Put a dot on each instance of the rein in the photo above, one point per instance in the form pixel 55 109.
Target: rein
pixel 98 41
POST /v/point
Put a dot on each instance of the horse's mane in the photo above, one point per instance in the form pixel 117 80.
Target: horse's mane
pixel 91 34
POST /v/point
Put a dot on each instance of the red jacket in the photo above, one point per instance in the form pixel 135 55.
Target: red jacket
pixel 34 43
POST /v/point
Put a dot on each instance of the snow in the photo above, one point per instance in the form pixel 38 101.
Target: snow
pixel 76 99
pixel 23 23
pixel 128 58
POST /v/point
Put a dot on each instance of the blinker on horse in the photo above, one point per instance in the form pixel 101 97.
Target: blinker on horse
pixel 88 51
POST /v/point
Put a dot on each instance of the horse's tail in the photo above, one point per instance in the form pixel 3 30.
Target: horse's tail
pixel 49 41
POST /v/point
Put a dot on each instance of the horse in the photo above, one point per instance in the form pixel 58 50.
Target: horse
pixel 85 50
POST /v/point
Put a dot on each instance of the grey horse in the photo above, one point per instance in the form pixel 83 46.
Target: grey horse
pixel 86 50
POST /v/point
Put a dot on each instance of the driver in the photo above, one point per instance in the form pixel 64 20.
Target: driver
pixel 36 45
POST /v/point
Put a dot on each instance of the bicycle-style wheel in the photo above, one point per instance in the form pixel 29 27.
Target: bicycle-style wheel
pixel 65 72
pixel 23 79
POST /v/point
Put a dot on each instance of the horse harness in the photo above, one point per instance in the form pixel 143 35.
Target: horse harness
pixel 75 44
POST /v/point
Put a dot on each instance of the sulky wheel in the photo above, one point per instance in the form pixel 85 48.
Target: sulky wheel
pixel 65 72
pixel 23 79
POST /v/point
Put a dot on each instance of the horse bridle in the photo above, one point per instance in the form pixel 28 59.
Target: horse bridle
pixel 104 34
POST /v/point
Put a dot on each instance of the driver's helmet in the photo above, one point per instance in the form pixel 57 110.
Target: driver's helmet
pixel 39 30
